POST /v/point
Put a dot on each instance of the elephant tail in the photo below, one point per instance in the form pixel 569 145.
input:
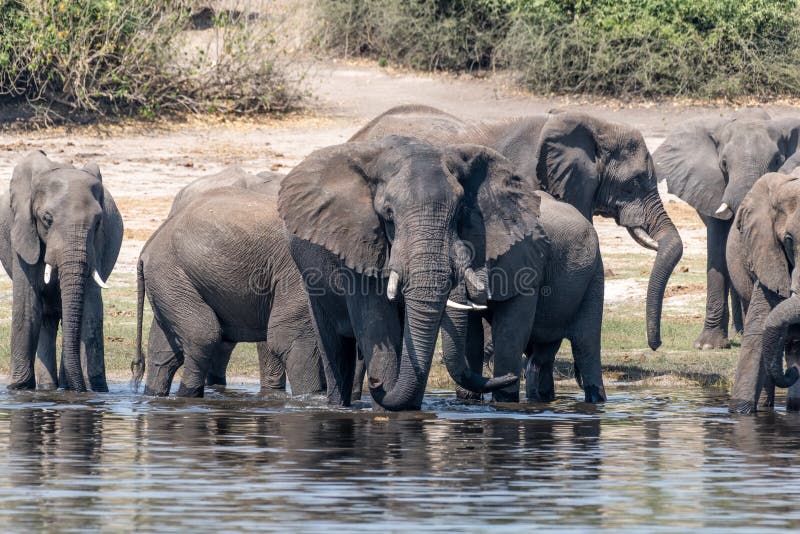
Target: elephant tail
pixel 137 365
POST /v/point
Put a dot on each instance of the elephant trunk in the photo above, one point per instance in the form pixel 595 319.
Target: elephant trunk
pixel 73 273
pixel 670 249
pixel 425 292
pixel 454 349
pixel 778 321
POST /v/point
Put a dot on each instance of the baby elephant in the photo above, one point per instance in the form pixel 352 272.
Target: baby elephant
pixel 60 234
pixel 763 254
pixel 219 272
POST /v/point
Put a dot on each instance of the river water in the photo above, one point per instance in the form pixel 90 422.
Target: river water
pixel 651 458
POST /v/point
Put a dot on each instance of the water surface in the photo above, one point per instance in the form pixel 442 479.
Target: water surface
pixel 655 459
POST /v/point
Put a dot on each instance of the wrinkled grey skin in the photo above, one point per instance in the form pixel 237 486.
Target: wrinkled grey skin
pixel 712 163
pixel 567 303
pixel 272 367
pixel 218 272
pixel 599 167
pixel 63 216
pixel 762 259
pixel 363 210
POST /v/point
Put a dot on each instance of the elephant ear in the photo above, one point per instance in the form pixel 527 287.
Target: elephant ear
pixel 763 253
pixel 789 129
pixel 689 161
pixel 500 208
pixel 24 235
pixel 328 200
pixel 567 164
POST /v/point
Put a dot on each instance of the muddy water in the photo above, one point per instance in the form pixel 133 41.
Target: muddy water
pixel 650 458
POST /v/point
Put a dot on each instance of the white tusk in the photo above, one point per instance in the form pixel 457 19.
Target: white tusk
pixel 391 287
pixel 99 280
pixel 645 239
pixel 721 209
pixel 469 306
pixel 48 270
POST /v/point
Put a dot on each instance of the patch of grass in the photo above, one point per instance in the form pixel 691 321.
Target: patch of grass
pixel 646 48
pixel 90 58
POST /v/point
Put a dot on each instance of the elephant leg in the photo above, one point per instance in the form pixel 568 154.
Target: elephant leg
pixel 737 311
pixel 585 337
pixel 46 371
pixel 512 323
pixel 539 385
pixel 750 375
pixel 358 377
pixel 333 349
pixel 769 392
pixel 715 326
pixel 163 361
pixel 26 322
pixel 92 340
pixel 219 365
pixel 271 366
pixel 475 353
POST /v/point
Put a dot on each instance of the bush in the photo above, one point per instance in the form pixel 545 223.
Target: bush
pixel 100 57
pixel 649 48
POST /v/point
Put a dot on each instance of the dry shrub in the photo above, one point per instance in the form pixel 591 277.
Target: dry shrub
pixel 89 58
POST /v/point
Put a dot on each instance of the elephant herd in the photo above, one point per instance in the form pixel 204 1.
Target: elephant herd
pixel 422 227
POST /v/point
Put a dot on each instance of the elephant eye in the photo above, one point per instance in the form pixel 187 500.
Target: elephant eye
pixel 388 213
pixel 723 164
pixel 778 161
pixel 47 219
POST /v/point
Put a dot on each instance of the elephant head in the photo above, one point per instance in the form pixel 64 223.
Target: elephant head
pixel 392 208
pixel 61 216
pixel 712 163
pixel 769 223
pixel 604 168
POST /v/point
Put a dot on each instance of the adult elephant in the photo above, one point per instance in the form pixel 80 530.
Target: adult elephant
pixel 711 163
pixel 763 258
pixel 565 276
pixel 600 167
pixel 60 234
pixel 376 231
pixel 272 364
pixel 218 272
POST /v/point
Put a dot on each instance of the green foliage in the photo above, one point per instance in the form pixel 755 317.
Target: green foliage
pixel 650 48
pixel 97 57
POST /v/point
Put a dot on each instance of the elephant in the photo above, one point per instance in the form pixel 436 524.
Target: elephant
pixel 762 259
pixel 60 234
pixel 376 230
pixel 567 303
pixel 217 272
pixel 599 167
pixel 272 367
pixel 711 163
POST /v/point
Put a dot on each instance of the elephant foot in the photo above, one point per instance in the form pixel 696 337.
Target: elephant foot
pixel 792 404
pixel 712 340
pixel 465 394
pixel 742 406
pixel 27 383
pixel 594 394
pixel 98 384
pixel 505 396
pixel 47 385
pixel 216 380
pixel 192 392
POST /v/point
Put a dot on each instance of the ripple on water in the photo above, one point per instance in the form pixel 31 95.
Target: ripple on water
pixel 652 458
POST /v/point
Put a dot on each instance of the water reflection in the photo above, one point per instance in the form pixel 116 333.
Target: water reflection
pixel 647 458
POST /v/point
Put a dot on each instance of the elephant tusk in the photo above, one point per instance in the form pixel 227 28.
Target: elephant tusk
pixel 644 238
pixel 469 306
pixel 391 287
pixel 722 209
pixel 48 270
pixel 99 281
